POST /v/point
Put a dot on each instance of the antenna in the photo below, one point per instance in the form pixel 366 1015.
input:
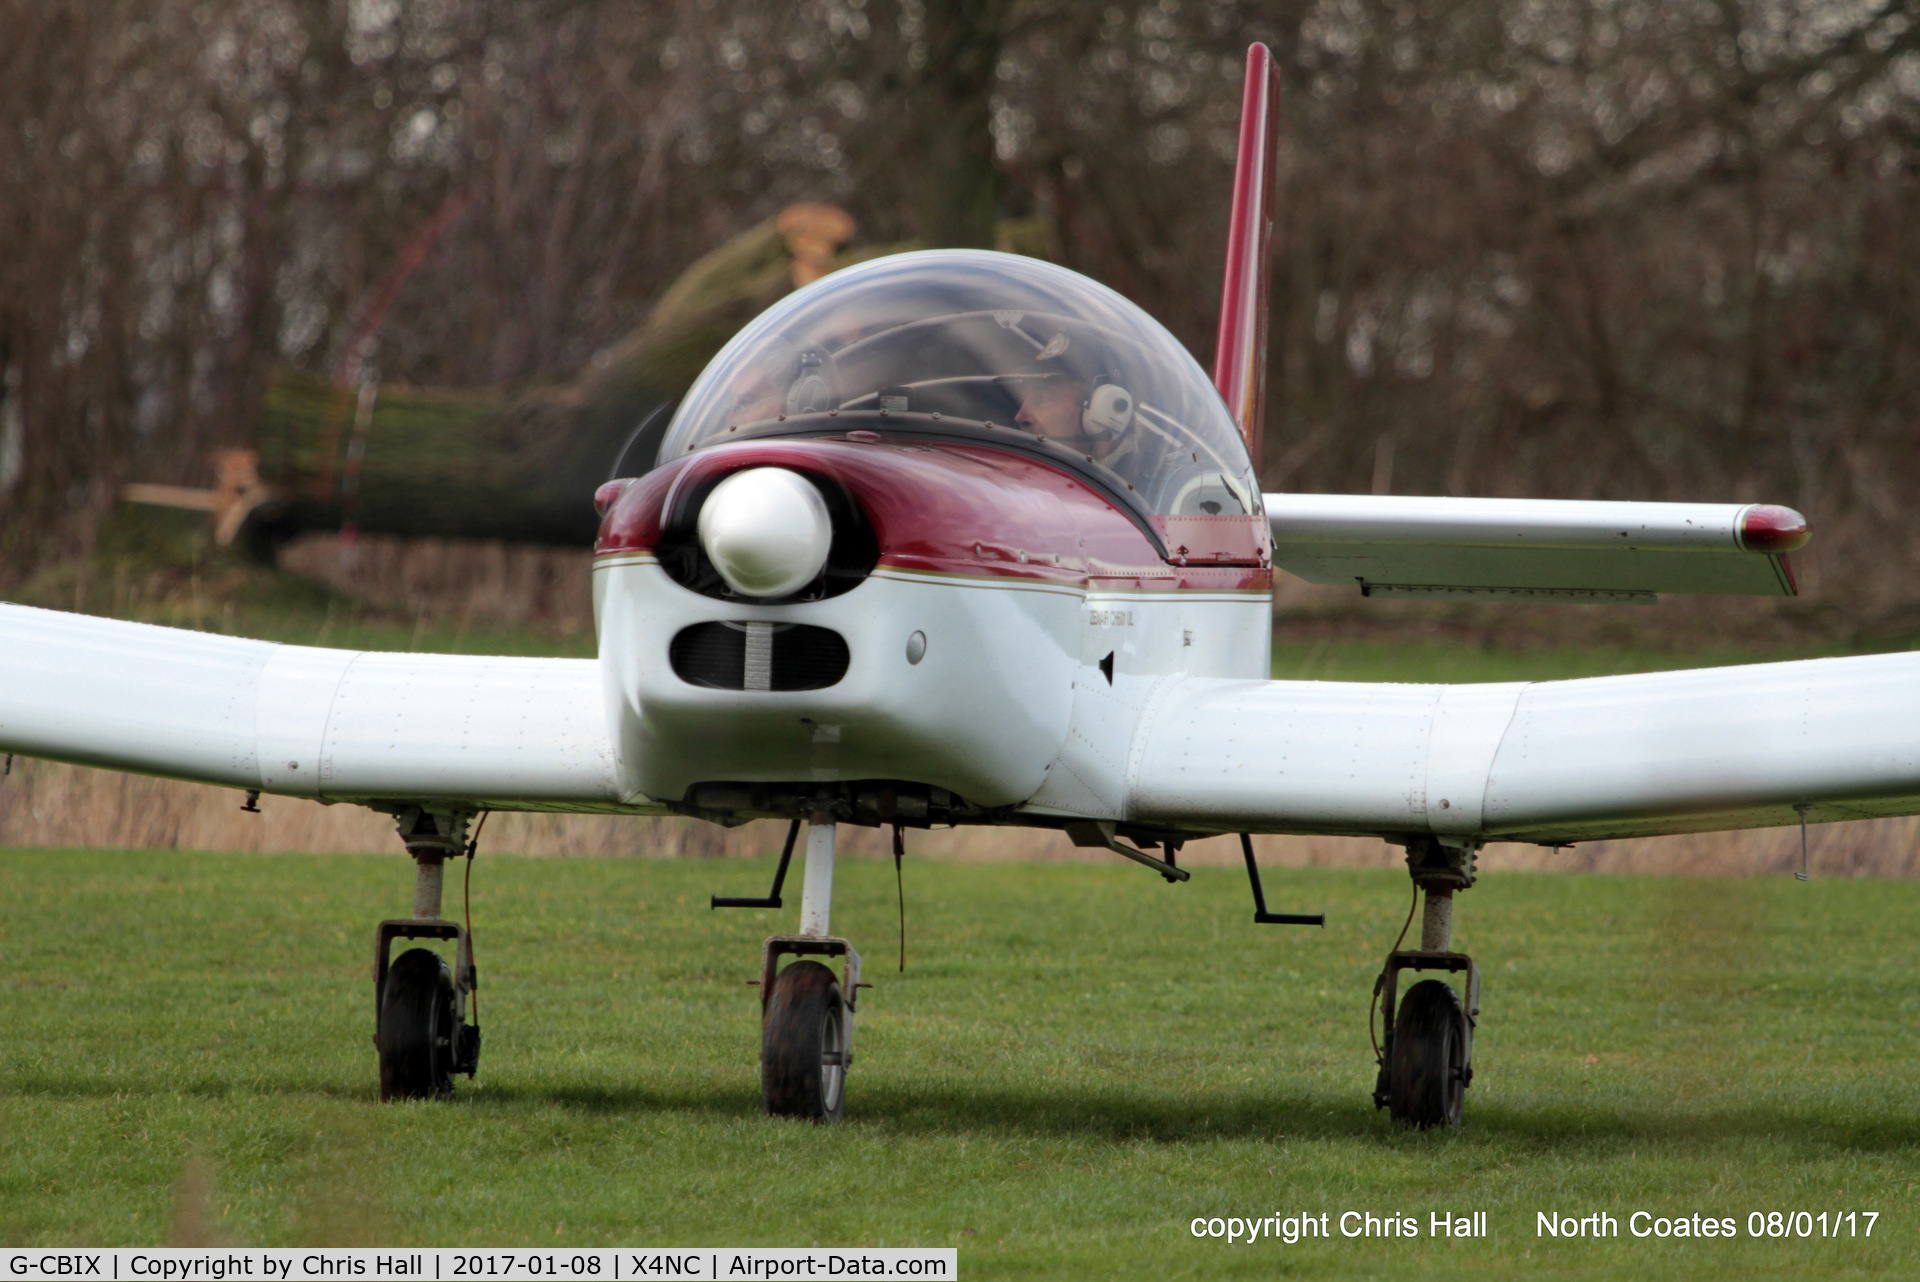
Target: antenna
pixel 1240 353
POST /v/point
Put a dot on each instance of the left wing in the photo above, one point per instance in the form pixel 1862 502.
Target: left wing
pixel 337 725
pixel 1548 761
pixel 1533 549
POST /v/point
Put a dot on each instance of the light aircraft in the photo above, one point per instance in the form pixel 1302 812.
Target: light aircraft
pixel 958 537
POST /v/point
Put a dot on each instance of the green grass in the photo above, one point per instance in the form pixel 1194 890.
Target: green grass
pixel 1078 1061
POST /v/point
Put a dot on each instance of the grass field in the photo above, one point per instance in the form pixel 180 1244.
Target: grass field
pixel 1077 1062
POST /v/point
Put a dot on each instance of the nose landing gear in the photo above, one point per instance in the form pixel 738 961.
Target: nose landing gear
pixel 1426 1060
pixel 806 1013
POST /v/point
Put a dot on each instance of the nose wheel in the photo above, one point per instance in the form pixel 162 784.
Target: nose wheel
pixel 804 1048
pixel 806 1027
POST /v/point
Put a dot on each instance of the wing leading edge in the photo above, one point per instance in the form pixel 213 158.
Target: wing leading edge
pixel 336 725
pixel 1548 761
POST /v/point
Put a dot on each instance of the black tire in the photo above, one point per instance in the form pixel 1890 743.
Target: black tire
pixel 803 1045
pixel 418 1027
pixel 1427 1078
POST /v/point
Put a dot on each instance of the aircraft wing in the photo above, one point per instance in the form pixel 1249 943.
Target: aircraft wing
pixel 1550 761
pixel 337 725
pixel 1533 549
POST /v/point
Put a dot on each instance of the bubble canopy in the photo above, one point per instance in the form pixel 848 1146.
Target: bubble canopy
pixel 989 348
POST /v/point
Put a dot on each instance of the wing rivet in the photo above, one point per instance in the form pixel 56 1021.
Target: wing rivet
pixel 1445 804
pixel 293 765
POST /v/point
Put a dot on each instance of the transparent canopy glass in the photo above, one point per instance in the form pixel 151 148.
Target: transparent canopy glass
pixel 968 345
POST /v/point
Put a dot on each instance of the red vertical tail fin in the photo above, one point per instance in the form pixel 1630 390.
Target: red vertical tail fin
pixel 1240 354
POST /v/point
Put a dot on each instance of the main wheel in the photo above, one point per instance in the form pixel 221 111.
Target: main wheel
pixel 1427 1078
pixel 803 1045
pixel 417 1027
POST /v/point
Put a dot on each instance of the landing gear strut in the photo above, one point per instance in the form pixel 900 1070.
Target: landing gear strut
pixel 806 1014
pixel 419 1002
pixel 1426 1060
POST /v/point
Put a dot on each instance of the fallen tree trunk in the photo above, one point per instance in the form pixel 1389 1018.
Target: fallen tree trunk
pixel 522 465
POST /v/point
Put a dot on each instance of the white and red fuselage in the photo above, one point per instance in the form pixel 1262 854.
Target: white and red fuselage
pixel 1003 589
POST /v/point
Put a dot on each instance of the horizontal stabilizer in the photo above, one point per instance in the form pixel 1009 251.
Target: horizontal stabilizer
pixel 336 725
pixel 1534 549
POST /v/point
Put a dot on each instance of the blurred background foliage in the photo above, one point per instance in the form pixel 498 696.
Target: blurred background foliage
pixel 1646 249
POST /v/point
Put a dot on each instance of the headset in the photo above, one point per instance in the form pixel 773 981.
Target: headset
pixel 1108 410
pixel 811 391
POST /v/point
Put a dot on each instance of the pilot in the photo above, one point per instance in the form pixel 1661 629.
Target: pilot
pixel 1051 408
pixel 1092 420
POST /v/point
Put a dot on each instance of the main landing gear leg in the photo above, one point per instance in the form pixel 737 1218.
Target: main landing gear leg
pixel 419 1002
pixel 1426 1062
pixel 806 1014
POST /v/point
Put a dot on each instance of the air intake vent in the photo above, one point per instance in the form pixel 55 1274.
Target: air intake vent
pixel 758 656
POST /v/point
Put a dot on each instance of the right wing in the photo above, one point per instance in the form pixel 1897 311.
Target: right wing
pixel 1549 762
pixel 1533 549
pixel 336 725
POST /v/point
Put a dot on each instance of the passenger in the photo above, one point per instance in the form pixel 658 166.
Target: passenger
pixel 784 382
pixel 756 397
